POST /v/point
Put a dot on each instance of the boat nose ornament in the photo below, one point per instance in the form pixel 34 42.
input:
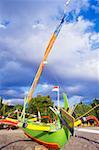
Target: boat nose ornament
pixel 25 125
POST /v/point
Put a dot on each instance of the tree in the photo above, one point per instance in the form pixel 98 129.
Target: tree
pixel 12 110
pixel 83 108
pixel 1 104
pixel 40 103
pixel 93 104
pixel 18 107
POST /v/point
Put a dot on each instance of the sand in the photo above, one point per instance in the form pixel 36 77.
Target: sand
pixel 16 140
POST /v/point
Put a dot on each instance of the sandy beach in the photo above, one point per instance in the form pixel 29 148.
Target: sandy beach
pixel 16 140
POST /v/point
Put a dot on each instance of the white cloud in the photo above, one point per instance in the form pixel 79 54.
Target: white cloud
pixel 78 5
pixel 45 86
pixel 13 101
pixel 10 92
pixel 95 37
pixel 2 26
pixel 74 88
pixel 39 26
pixel 72 55
pixel 8 102
pixel 75 100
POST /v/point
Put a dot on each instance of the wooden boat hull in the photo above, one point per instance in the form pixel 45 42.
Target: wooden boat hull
pixel 55 140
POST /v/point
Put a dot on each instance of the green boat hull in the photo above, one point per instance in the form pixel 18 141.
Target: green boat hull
pixel 54 140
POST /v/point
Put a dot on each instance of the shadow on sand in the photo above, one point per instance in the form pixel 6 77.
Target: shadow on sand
pixel 13 143
pixel 92 141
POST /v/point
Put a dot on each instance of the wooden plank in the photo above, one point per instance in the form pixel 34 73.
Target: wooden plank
pixel 68 116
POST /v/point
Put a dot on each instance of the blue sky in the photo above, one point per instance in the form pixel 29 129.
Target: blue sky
pixel 25 29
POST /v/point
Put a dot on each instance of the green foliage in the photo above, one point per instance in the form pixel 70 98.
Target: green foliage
pixel 93 104
pixel 1 104
pixel 18 107
pixel 40 103
pixel 83 108
pixel 12 110
pixel 3 110
pixel 6 110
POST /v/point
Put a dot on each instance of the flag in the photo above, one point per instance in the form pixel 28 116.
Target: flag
pixel 55 88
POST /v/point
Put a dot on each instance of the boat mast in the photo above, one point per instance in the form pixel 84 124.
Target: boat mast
pixel 48 49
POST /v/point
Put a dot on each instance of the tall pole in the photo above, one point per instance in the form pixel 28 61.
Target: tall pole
pixel 58 99
pixel 47 51
pixel 40 69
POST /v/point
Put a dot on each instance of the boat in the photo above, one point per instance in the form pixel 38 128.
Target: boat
pixel 53 134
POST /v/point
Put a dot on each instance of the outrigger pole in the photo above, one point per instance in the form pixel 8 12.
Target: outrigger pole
pixel 48 49
pixel 88 112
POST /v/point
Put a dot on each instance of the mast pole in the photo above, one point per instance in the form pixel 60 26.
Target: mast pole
pixel 58 100
pixel 48 49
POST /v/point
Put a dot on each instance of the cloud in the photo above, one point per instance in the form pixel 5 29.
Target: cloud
pixel 73 61
pixel 39 26
pixel 94 41
pixel 75 100
pixel 96 6
pixel 13 101
pixel 78 5
pixel 2 26
pixel 8 93
pixel 74 88
pixel 72 51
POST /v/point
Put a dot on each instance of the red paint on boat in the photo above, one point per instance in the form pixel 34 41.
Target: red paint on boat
pixel 8 122
pixel 46 144
pixel 93 118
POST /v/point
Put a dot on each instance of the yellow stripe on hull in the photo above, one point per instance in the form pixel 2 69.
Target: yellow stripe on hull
pixel 33 119
pixel 77 123
pixel 38 127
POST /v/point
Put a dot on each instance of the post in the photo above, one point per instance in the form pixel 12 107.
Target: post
pixel 58 100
